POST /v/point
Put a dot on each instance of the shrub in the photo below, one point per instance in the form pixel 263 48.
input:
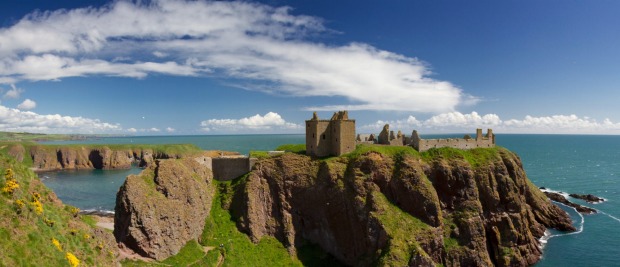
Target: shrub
pixel 73 260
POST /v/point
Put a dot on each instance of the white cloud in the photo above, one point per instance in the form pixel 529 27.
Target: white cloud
pixel 270 121
pixel 15 120
pixel 27 105
pixel 160 54
pixel 132 130
pixel 14 92
pixel 153 130
pixel 170 130
pixel 265 46
pixel 458 122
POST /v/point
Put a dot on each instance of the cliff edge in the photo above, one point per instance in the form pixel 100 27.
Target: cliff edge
pixel 444 206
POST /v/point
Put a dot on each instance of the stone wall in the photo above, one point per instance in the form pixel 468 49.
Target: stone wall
pixel 460 143
pixel 228 168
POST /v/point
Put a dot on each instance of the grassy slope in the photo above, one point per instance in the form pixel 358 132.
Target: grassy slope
pixel 26 235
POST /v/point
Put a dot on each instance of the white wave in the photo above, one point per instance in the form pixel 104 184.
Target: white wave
pixel 608 215
pixel 581 224
pixel 96 211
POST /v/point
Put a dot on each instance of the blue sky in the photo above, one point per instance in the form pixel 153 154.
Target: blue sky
pixel 199 67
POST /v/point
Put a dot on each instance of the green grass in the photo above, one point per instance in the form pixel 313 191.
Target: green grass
pixel 26 236
pixel 476 157
pixel 22 136
pixel 259 154
pixel 221 232
pixel 392 151
pixel 402 228
pixel 294 148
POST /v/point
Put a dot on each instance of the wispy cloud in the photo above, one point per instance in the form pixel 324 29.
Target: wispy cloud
pixel 27 105
pixel 266 46
pixel 16 120
pixel 459 122
pixel 270 121
pixel 14 92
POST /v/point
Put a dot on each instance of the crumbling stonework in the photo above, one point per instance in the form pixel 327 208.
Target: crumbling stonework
pixel 332 137
pixel 421 145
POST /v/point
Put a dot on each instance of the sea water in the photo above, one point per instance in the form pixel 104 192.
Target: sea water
pixel 568 163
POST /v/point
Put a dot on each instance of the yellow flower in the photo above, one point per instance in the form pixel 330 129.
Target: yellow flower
pixel 19 203
pixel 75 211
pixel 10 186
pixel 8 174
pixel 38 207
pixel 86 236
pixel 57 244
pixel 73 260
pixel 36 196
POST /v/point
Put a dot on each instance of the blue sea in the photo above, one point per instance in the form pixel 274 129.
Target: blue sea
pixel 583 164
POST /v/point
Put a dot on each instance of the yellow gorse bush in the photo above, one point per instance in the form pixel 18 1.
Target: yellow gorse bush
pixel 73 260
pixel 56 244
pixel 10 184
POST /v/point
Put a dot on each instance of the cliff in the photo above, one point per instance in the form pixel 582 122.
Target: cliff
pixel 445 206
pixel 158 211
pixel 78 157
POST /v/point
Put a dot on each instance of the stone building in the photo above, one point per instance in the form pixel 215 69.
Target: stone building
pixel 332 137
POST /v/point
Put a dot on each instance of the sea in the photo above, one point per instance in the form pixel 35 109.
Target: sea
pixel 582 164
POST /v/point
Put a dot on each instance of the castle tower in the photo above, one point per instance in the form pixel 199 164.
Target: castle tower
pixel 330 137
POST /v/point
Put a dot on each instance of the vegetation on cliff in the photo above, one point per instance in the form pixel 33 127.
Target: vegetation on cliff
pixel 37 229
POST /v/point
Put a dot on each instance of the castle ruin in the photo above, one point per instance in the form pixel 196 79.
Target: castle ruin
pixel 336 136
pixel 332 137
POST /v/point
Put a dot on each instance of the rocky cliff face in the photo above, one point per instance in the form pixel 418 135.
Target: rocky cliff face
pixel 47 158
pixel 163 207
pixel 401 210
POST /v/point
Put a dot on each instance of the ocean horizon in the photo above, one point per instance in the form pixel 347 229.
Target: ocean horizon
pixel 582 164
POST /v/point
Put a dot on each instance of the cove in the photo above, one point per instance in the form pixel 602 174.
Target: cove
pixel 87 189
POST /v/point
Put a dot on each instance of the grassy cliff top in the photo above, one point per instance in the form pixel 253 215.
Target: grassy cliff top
pixel 35 227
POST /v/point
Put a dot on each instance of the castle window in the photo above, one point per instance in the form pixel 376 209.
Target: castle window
pixel 323 137
pixel 312 135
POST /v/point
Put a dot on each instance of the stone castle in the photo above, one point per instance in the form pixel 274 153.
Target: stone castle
pixel 332 137
pixel 336 136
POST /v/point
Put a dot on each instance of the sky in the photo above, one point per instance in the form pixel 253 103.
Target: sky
pixel 244 67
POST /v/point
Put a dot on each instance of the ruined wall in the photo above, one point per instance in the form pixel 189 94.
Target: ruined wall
pixel 318 138
pixel 426 144
pixel 460 143
pixel 228 168
pixel 343 141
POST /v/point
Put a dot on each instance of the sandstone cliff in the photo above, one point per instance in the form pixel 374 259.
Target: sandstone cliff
pixel 473 208
pixel 158 211
pixel 48 158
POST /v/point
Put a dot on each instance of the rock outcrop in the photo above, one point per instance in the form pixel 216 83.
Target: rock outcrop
pixel 376 209
pixel 163 207
pixel 50 158
pixel 588 198
pixel 557 197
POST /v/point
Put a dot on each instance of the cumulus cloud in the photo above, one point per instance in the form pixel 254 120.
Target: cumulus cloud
pixel 132 130
pixel 15 120
pixel 458 122
pixel 27 105
pixel 257 46
pixel 269 121
pixel 170 130
pixel 14 92
pixel 155 130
